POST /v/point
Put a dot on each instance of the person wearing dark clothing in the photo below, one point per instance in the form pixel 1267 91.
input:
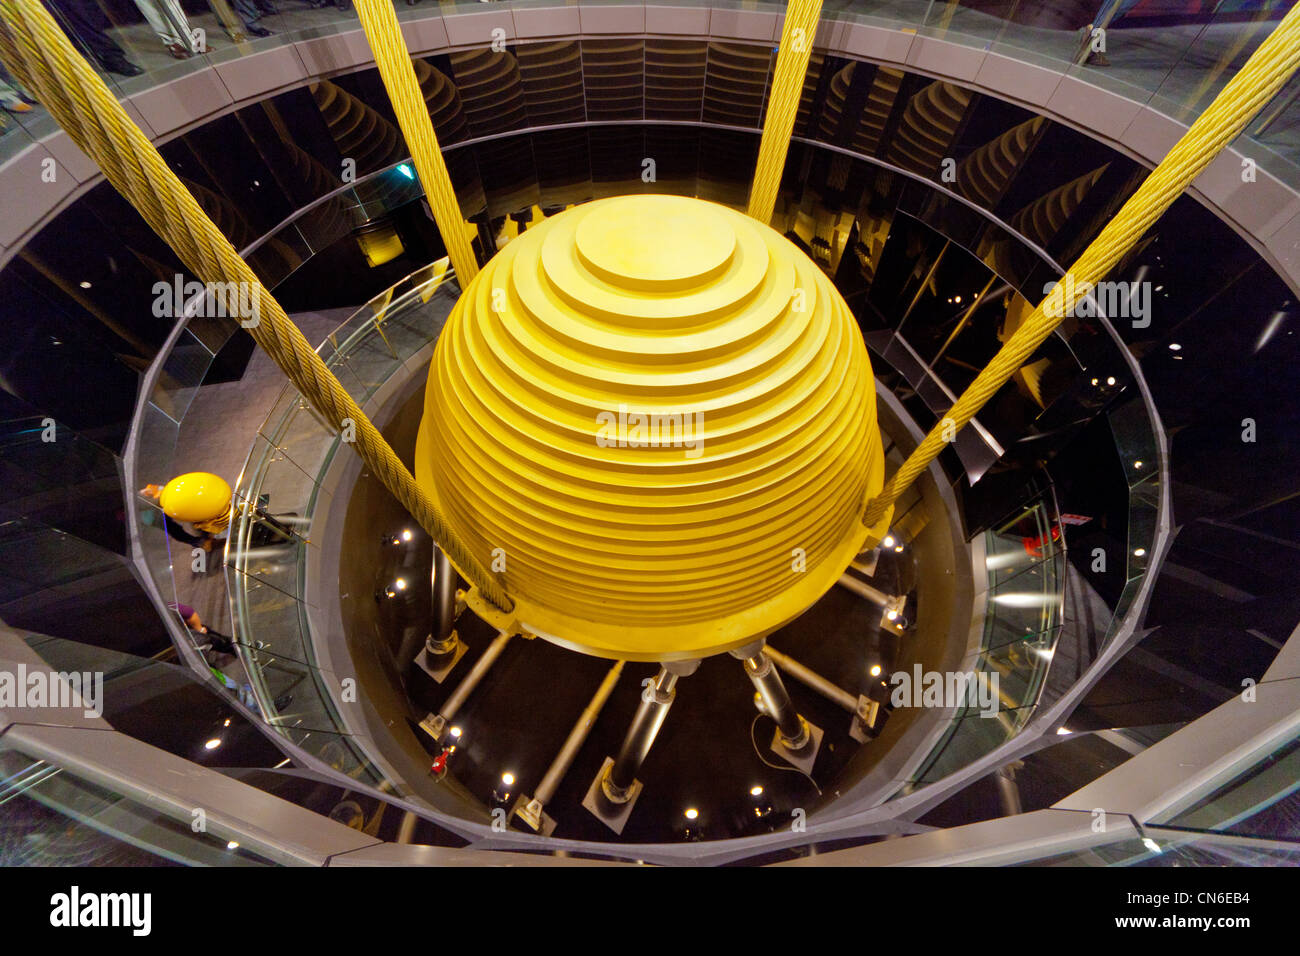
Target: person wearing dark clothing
pixel 218 642
pixel 85 23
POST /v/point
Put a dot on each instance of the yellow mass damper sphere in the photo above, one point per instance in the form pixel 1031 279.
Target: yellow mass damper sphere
pixel 196 496
pixel 663 415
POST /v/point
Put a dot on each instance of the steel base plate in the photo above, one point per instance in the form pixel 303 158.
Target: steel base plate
pixel 804 759
pixel 613 815
pixel 439 667
pixel 541 822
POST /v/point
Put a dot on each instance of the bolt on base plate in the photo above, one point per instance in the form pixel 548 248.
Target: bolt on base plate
pixel 863 719
pixel 439 667
pixel 803 759
pixel 613 815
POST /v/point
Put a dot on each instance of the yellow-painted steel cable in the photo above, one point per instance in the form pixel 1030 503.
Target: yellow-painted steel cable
pixel 783 104
pixel 1268 68
pixel 35 50
pixel 394 62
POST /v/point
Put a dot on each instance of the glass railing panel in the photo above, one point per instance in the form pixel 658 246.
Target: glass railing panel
pixel 283 489
pixel 290 697
pixel 1274 133
pixel 1135 440
pixel 82 823
pixel 1263 801
pixel 412 324
pixel 956 22
pixel 272 554
pixel 304 438
pixel 14 138
pixel 157 548
pixel 1212 57
pixel 182 373
pixel 1143 516
pixel 1129 59
pixel 276 258
pixel 971 738
pixel 1161 847
pixel 339 752
pixel 269 622
pixel 1005 566
pixel 364 363
pixel 1021 667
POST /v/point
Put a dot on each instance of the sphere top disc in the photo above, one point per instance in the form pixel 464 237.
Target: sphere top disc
pixel 654 419
pixel 655 243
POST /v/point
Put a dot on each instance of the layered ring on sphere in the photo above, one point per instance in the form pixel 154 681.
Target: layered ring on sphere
pixel 659 415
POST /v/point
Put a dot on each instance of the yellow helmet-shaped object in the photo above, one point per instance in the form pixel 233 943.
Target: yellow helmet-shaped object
pixel 196 496
pixel 656 418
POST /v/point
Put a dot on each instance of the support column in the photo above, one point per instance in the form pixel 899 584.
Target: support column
pixel 531 810
pixel 796 740
pixel 615 790
pixel 863 708
pixel 1008 791
pixel 435 725
pixel 443 648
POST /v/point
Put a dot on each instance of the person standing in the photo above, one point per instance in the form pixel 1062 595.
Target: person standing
pixel 1109 11
pixel 168 20
pixel 85 23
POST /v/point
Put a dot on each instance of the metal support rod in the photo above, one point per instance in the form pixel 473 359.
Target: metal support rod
pixel 812 679
pixel 406 832
pixel 776 700
pixel 444 604
pixel 440 641
pixel 577 736
pixel 655 701
pixel 476 674
pixel 863 589
pixel 1008 791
